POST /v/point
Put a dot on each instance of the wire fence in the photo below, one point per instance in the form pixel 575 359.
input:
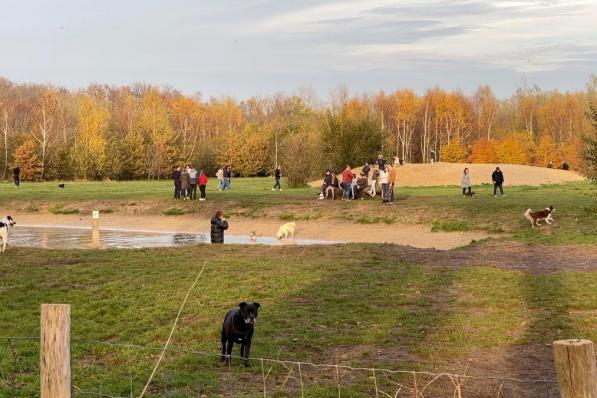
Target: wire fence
pixel 121 371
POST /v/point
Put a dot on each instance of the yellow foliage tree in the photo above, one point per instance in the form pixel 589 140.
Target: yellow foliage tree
pixel 483 151
pixel 513 149
pixel 246 152
pixel 547 151
pixel 89 149
pixel 453 152
pixel 27 158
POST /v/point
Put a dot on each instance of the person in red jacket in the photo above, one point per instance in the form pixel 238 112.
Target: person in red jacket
pixel 202 184
pixel 347 183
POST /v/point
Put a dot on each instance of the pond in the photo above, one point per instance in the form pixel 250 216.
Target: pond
pixel 68 237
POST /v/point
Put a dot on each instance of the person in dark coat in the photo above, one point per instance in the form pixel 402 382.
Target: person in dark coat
pixel 366 170
pixel 176 178
pixel 498 179
pixel 185 183
pixel 218 225
pixel 16 175
pixel 277 176
pixel 381 162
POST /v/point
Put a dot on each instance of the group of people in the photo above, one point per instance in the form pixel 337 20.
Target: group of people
pixel 355 186
pixel 186 181
pixel 497 177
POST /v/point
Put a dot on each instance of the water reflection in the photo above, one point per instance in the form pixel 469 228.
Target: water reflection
pixel 82 238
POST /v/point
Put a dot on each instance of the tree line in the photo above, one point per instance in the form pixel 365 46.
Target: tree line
pixel 141 131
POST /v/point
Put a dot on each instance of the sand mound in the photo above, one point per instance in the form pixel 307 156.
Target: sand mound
pixel 425 175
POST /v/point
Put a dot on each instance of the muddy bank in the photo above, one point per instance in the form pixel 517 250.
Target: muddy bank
pixel 418 236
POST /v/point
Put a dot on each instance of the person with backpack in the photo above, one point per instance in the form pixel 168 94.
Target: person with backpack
pixel 277 176
pixel 498 179
pixel 202 184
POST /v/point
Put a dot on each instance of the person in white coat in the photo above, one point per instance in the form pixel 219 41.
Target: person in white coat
pixel 465 182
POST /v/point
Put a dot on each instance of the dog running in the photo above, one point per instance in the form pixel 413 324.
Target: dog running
pixel 535 217
pixel 5 224
pixel 286 230
pixel 238 327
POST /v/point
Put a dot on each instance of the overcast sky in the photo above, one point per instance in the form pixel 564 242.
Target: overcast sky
pixel 248 47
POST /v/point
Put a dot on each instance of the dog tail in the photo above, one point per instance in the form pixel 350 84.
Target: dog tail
pixel 527 215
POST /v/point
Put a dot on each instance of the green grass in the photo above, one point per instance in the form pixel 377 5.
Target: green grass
pixel 317 303
pixel 442 208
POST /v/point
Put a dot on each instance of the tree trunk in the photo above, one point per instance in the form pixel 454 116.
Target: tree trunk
pixel 575 365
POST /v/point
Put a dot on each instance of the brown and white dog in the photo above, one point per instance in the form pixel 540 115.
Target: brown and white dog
pixel 6 223
pixel 537 216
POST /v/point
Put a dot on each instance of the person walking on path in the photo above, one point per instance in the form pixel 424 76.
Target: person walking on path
pixel 185 183
pixel 16 175
pixel 193 183
pixel 202 184
pixel 383 179
pixel 176 178
pixel 218 225
pixel 498 180
pixel 227 174
pixel 277 176
pixel 346 183
pixel 391 183
pixel 220 177
pixel 465 182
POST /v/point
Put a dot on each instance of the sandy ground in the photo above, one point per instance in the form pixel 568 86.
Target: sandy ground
pixel 423 175
pixel 418 236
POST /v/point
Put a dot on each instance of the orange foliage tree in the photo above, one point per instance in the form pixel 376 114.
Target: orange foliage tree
pixel 513 149
pixel 483 151
pixel 27 158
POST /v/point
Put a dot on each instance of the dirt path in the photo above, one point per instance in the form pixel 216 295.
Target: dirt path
pixel 418 236
pixel 505 254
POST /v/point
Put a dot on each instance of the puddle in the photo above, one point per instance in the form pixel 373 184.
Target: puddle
pixel 62 237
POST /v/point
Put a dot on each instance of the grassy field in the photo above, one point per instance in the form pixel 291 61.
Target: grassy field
pixel 353 305
pixel 443 208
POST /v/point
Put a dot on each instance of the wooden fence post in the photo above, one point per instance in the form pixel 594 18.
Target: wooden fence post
pixel 575 366
pixel 54 351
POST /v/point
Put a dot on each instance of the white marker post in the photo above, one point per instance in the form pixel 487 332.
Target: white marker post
pixel 95 219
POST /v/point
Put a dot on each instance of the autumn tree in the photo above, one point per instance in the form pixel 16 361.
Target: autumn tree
pixel 26 156
pixel 453 152
pixel 154 124
pixel 89 149
pixel 546 151
pixel 43 132
pixel 512 149
pixel 483 151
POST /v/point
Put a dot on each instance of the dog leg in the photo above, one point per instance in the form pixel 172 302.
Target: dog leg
pixel 246 347
pixel 223 340
pixel 229 345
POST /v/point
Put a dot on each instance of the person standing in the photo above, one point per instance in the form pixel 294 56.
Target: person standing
pixel 202 184
pixel 220 177
pixel 346 183
pixel 383 179
pixel 226 174
pixel 391 182
pixel 193 183
pixel 16 175
pixel 176 178
pixel 366 170
pixel 374 177
pixel 218 225
pixel 465 182
pixel 498 180
pixel 185 183
pixel 277 176
pixel 381 162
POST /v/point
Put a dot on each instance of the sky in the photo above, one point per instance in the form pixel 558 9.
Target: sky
pixel 241 48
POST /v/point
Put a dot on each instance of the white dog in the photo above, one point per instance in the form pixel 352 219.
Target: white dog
pixel 286 230
pixel 5 224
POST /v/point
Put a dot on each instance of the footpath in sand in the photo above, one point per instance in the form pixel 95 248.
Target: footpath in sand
pixel 419 236
pixel 440 174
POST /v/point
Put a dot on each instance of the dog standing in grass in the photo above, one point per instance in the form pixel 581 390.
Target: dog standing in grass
pixel 238 327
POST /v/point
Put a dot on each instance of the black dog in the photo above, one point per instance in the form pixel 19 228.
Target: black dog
pixel 60 185
pixel 238 328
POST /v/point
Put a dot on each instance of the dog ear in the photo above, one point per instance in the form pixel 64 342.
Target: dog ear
pixel 242 305
pixel 257 305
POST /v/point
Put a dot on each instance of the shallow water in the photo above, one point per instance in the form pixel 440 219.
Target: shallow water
pixel 84 238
